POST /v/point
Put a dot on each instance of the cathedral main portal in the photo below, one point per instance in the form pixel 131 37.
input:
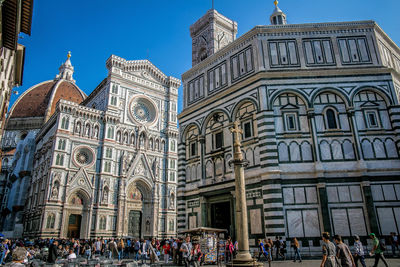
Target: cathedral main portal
pixel 74 226
pixel 135 223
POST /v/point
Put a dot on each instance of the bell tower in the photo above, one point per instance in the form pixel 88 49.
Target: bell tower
pixel 211 33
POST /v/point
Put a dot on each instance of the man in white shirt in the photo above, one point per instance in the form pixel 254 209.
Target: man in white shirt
pixel 71 255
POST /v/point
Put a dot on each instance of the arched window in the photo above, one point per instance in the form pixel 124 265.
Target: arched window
pixel 331 122
pixel 110 132
pixel 50 221
pixel 173 145
pixel 65 123
pixel 103 223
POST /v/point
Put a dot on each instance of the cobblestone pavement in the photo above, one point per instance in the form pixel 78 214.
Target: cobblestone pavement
pixel 316 263
pixel 393 262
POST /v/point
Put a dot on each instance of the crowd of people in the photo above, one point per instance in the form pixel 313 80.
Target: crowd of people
pixel 181 251
pixel 335 253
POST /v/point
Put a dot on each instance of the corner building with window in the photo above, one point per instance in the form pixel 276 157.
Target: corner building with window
pixel 319 109
pixel 106 166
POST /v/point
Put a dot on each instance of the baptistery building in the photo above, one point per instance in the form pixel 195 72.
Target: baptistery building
pixel 106 166
pixel 319 108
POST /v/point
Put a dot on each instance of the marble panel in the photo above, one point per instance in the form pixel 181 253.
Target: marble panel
pixel 311 223
pixel 306 151
pixel 255 221
pixel 348 150
pixel 288 196
pixel 311 193
pixel 299 195
pixel 357 221
pixel 283 152
pixel 344 194
pixel 192 221
pixel 340 222
pixel 355 193
pixel 325 151
pixel 295 223
pixel 337 150
pixel 388 191
pixel 397 190
pixel 367 149
pixel 332 194
pixel 377 193
pixel 386 220
pixel 294 152
pixel 397 217
pixel 379 149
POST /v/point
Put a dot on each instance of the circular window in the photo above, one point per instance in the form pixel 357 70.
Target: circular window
pixel 143 110
pixel 83 156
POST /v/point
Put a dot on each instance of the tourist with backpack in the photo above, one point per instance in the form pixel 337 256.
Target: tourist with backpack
pixel 358 252
pixel 378 248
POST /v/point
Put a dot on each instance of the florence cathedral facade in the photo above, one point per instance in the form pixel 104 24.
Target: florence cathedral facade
pixel 103 165
pixel 319 108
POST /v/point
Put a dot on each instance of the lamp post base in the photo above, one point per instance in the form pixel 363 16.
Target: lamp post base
pixel 244 259
pixel 239 263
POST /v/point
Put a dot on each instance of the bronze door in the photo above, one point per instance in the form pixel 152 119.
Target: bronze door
pixel 74 226
pixel 135 223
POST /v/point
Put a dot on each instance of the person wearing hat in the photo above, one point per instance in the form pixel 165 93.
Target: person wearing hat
pixel 376 248
pixel 358 252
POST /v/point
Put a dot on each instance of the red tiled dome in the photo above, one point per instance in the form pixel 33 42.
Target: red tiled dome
pixel 40 100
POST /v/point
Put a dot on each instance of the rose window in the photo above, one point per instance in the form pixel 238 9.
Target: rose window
pixel 143 110
pixel 83 156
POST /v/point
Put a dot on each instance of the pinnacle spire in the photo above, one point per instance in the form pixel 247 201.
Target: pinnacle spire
pixel 66 70
pixel 278 17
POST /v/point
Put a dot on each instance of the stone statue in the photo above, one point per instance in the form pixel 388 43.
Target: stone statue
pixel 96 132
pixel 54 191
pixel 141 141
pixel 87 129
pixel 105 195
pixel 172 201
pixel 124 163
pixel 156 168
pixel 78 128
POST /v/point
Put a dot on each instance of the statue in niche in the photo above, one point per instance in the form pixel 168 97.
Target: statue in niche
pixel 96 132
pixel 87 129
pixel 124 163
pixel 156 168
pixel 172 201
pixel 105 195
pixel 147 226
pixel 78 128
pixel 54 190
pixel 141 141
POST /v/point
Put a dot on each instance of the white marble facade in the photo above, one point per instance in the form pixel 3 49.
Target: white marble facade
pixel 107 167
pixel 319 106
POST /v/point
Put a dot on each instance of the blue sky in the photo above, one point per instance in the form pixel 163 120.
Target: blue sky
pixel 159 30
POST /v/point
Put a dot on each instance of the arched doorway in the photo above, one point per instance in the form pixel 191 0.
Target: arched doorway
pixel 138 210
pixel 76 218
